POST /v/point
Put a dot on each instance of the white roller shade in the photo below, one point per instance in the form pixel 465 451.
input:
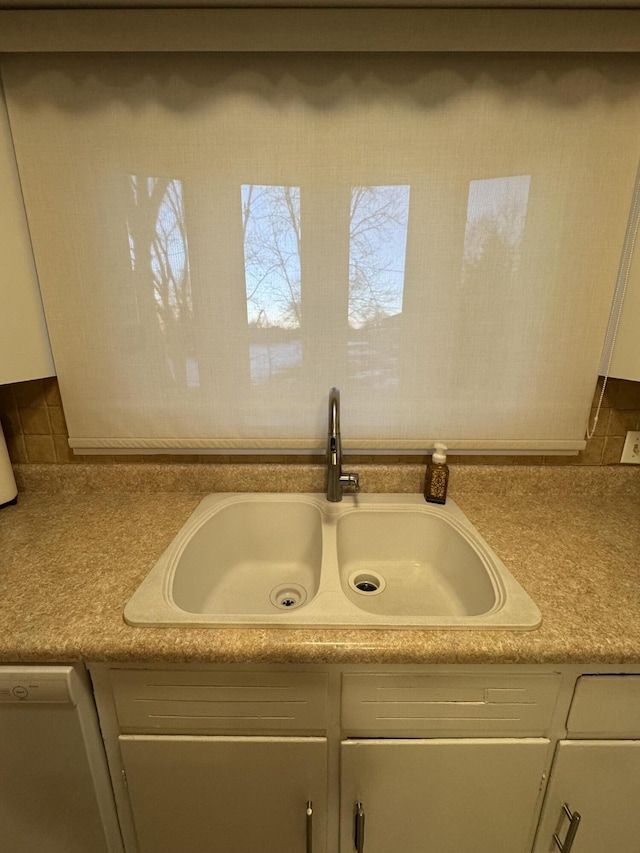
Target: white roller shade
pixel 221 238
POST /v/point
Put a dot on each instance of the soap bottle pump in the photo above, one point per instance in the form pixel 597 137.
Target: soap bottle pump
pixel 435 489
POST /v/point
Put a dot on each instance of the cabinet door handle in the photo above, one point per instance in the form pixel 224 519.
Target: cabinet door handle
pixel 309 826
pixel 358 835
pixel 574 824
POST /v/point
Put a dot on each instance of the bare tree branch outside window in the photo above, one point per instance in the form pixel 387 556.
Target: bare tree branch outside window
pixel 377 249
pixel 271 227
pixel 160 262
pixel 271 231
pixel 496 217
pixel 272 251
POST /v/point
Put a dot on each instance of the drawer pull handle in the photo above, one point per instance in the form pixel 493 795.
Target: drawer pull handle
pixel 574 824
pixel 358 838
pixel 309 826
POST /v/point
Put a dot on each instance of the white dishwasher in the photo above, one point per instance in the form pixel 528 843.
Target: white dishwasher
pixel 55 791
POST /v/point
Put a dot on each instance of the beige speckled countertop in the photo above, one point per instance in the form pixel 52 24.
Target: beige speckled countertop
pixel 82 538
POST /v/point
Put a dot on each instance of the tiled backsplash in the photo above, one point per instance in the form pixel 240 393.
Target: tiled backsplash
pixel 35 430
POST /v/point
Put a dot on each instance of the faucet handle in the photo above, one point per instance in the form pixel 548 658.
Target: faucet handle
pixel 351 479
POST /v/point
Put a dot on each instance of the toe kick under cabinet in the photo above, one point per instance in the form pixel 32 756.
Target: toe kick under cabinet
pixel 406 759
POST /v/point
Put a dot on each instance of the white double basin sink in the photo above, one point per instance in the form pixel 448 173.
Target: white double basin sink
pixel 296 560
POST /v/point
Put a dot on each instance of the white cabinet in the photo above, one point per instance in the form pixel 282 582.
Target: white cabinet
pixel 442 795
pixel 448 761
pixel 596 771
pixel 24 343
pixel 600 780
pixel 222 760
pixel 439 759
pixel 226 794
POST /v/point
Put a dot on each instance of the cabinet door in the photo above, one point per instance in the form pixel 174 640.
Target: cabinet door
pixel 24 342
pixel 601 781
pixel 442 796
pixel 226 794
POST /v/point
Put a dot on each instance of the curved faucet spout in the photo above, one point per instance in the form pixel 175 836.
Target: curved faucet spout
pixel 334 411
pixel 335 478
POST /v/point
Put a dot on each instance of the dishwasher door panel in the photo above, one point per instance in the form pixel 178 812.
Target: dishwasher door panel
pixel 55 794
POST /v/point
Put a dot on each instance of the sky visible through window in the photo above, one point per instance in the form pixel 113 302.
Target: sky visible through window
pixel 378 223
pixel 272 232
pixel 272 251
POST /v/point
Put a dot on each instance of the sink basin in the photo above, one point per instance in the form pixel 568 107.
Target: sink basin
pixel 389 561
pixel 403 562
pixel 250 557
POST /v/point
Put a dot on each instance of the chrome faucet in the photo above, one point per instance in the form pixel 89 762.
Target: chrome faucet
pixel 335 478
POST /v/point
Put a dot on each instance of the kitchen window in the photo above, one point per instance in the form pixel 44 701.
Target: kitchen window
pixel 220 238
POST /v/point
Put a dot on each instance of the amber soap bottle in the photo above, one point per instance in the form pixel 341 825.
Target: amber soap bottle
pixel 437 482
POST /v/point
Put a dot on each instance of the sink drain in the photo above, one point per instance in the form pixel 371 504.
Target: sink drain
pixel 288 596
pixel 367 583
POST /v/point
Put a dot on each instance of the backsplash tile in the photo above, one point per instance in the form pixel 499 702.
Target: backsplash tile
pixel 33 421
pixel 40 448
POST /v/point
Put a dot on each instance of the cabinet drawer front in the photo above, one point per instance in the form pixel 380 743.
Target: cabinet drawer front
pixel 204 702
pixel 438 705
pixel 605 706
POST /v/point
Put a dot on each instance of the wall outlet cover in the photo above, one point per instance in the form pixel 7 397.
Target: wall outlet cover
pixel 631 449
